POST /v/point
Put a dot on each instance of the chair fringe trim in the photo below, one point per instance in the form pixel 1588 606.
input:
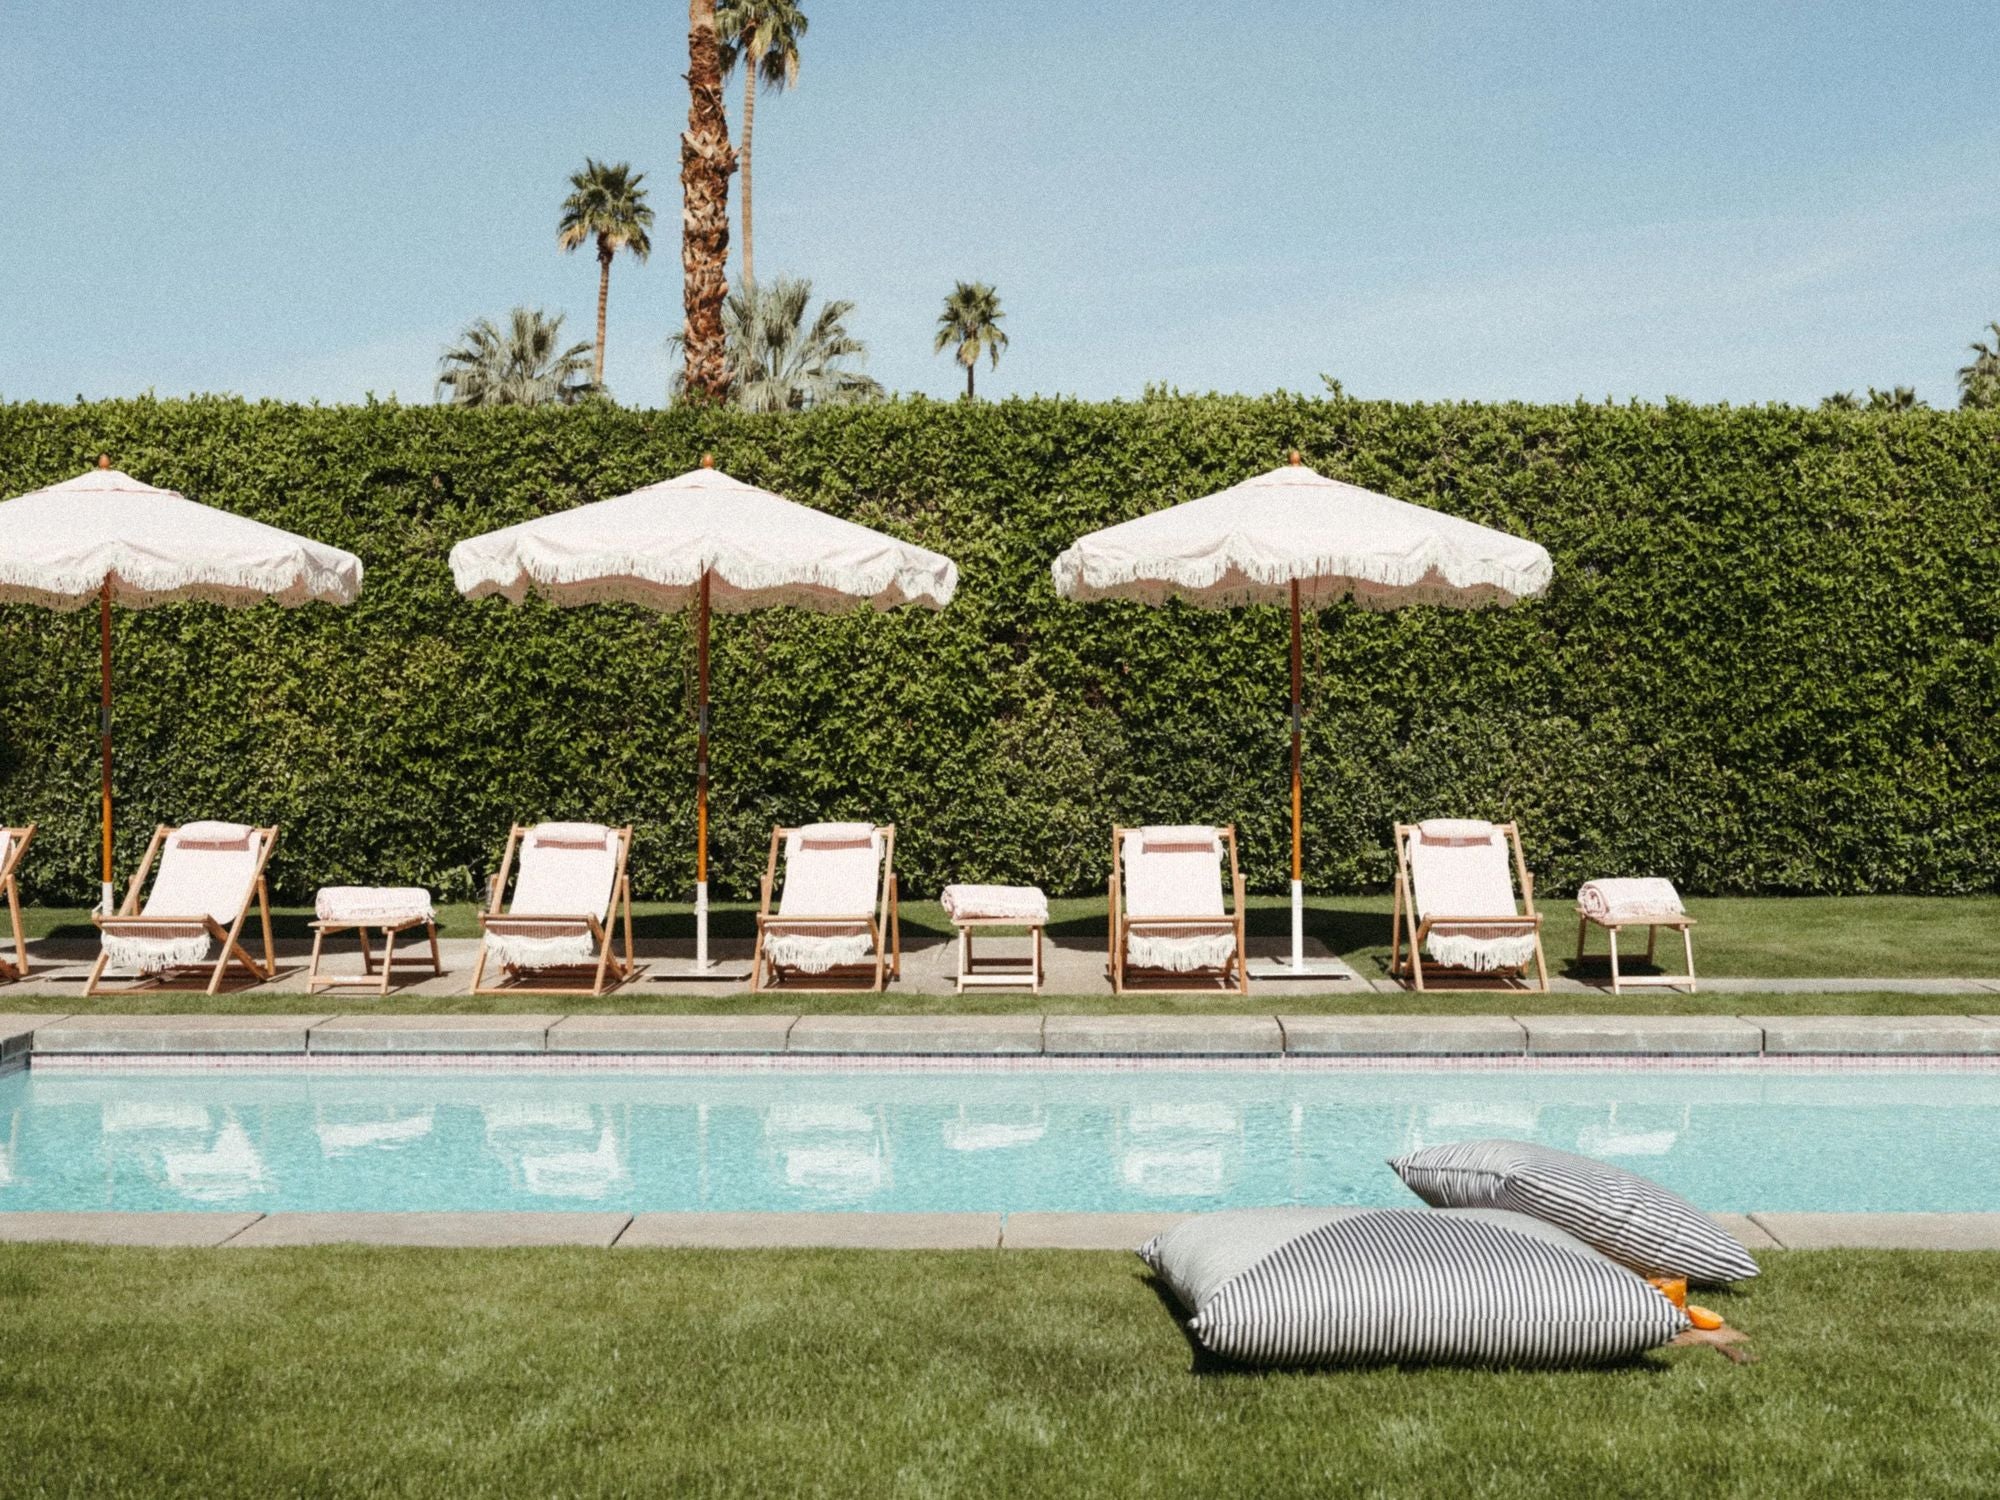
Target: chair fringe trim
pixel 517 950
pixel 1464 950
pixel 153 955
pixel 1181 953
pixel 816 953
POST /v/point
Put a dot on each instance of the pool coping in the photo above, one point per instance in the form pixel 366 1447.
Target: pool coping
pixel 744 1035
pixel 1759 1232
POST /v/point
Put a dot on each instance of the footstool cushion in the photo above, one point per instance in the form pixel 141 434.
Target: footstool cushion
pixel 374 906
pixel 996 903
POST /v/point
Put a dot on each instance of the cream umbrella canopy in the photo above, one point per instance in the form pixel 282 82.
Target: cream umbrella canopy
pixel 1295 537
pixel 105 536
pixel 713 542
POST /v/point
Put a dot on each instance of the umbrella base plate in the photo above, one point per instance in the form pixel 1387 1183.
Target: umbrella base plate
pixel 1313 968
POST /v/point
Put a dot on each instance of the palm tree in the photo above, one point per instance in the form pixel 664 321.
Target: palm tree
pixel 779 360
pixel 525 365
pixel 764 36
pixel 1839 401
pixel 706 162
pixel 971 320
pixel 1896 398
pixel 606 203
pixel 1979 382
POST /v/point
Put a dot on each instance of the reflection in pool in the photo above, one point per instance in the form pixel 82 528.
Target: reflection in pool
pixel 1005 1139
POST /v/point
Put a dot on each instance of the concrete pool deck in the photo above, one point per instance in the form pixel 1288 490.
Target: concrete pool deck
pixel 1758 1232
pixel 53 1035
pixel 60 966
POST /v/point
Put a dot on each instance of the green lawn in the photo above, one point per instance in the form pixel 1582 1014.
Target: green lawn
pixel 440 1373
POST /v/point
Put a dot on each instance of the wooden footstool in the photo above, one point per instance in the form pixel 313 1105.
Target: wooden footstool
pixel 972 907
pixel 1652 904
pixel 361 909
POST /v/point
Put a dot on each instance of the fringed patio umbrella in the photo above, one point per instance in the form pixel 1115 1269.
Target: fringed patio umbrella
pixel 713 542
pixel 1295 537
pixel 106 536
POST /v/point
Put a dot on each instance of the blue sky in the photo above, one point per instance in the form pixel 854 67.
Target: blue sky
pixel 1738 201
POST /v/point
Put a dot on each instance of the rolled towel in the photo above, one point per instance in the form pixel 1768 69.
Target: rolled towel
pixel 367 906
pixel 1018 903
pixel 1456 831
pixel 1630 900
pixel 570 835
pixel 213 835
pixel 1157 838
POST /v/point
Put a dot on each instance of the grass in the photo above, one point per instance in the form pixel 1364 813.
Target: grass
pixel 445 1373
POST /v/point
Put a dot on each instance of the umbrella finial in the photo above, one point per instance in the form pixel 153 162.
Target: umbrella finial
pixel 104 460
pixel 1295 457
pixel 708 460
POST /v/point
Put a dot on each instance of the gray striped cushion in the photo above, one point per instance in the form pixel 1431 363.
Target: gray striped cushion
pixel 1636 1222
pixel 1365 1286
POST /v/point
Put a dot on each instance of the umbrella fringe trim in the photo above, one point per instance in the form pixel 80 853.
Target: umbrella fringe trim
pixel 1078 577
pixel 888 585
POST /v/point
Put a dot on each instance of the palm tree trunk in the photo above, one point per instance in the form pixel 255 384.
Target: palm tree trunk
pixel 603 302
pixel 970 366
pixel 752 62
pixel 706 162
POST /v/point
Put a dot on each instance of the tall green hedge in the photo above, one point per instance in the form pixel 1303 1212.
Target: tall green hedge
pixel 1767 662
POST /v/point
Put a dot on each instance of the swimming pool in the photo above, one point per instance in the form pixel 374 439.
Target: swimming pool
pixel 1006 1139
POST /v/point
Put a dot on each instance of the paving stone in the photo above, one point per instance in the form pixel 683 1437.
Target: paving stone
pixel 1417 1035
pixel 444 1230
pixel 1747 1232
pixel 1162 1036
pixel 927 1035
pixel 727 1033
pixel 177 1033
pixel 1642 1035
pixel 1888 1035
pixel 125 1228
pixel 1079 1231
pixel 17 1029
pixel 1882 1231
pixel 857 1231
pixel 443 1033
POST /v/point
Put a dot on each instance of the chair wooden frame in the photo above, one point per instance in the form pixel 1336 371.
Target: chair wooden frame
pixel 18 840
pixel 1621 982
pixel 233 951
pixel 1407 922
pixel 885 928
pixel 1233 974
pixel 608 966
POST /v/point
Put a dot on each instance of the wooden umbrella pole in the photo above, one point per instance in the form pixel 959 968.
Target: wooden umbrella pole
pixel 105 896
pixel 701 777
pixel 1298 798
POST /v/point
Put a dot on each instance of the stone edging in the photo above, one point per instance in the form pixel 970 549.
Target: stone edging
pixel 1442 1036
pixel 1760 1232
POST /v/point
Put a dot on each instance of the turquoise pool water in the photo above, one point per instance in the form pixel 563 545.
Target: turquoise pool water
pixel 972 1139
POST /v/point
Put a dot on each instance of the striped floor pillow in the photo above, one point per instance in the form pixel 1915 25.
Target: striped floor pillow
pixel 1398 1285
pixel 1636 1222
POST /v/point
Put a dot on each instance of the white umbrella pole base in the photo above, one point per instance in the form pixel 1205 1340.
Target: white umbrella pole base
pixel 1311 968
pixel 702 966
pixel 1298 966
pixel 107 901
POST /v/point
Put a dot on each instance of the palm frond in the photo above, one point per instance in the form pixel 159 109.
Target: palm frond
pixel 523 365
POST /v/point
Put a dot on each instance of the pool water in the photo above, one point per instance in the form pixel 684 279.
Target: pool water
pixel 991 1139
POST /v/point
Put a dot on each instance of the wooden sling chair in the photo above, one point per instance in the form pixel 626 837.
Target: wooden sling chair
pixel 1455 912
pixel 210 875
pixel 13 845
pixel 837 917
pixel 571 894
pixel 1169 926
